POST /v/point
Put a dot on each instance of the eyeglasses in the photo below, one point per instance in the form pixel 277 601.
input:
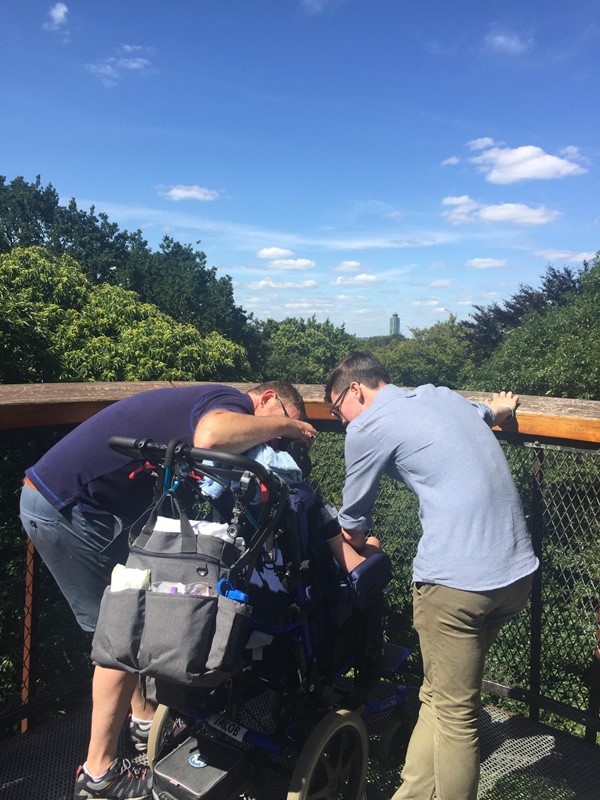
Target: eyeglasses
pixel 335 408
pixel 285 414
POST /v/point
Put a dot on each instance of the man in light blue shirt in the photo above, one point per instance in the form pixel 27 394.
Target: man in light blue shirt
pixel 474 563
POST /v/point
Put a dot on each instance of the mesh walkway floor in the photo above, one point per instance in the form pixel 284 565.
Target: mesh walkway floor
pixel 521 760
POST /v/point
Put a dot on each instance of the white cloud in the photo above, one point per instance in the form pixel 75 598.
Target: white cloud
pixel 480 144
pixel 347 266
pixel 440 282
pixel 518 213
pixel 504 42
pixel 314 6
pixel 462 206
pixel 465 209
pixel 504 165
pixel 394 215
pixel 565 255
pixel 464 302
pixel 292 263
pixel 274 252
pixel 194 192
pixel 309 307
pixel 111 70
pixel 486 263
pixel 350 298
pixel 57 17
pixel 364 279
pixel 267 284
pixel 450 161
pixel 424 302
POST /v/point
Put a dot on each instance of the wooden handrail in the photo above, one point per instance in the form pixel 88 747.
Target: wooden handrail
pixel 52 404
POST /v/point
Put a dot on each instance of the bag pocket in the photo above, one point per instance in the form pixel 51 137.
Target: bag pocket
pixel 231 634
pixel 177 636
pixel 116 641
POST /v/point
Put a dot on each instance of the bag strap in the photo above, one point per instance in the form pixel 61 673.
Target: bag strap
pixel 188 537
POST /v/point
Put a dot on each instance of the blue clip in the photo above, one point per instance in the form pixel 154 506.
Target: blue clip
pixel 225 588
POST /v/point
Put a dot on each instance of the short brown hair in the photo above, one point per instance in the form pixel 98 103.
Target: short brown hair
pixel 285 391
pixel 359 366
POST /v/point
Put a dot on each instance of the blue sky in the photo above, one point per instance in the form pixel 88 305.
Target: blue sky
pixel 342 158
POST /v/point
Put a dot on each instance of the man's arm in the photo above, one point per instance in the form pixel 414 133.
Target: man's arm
pixel 351 549
pixel 235 433
pixel 504 406
pixel 366 460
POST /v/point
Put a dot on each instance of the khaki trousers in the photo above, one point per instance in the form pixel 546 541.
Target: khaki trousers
pixel 456 629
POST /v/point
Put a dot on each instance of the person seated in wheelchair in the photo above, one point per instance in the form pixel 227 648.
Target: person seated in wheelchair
pixel 290 459
pixel 358 567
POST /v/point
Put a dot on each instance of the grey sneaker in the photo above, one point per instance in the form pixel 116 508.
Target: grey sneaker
pixel 123 781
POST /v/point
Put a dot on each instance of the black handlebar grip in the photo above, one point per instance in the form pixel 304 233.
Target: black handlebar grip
pixel 136 448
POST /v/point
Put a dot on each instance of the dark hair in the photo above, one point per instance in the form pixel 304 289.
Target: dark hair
pixel 360 367
pixel 285 391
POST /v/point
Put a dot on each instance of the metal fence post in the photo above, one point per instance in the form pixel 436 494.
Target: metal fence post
pixel 590 733
pixel 537 502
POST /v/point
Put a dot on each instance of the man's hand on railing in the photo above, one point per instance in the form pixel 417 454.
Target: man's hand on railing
pixel 504 405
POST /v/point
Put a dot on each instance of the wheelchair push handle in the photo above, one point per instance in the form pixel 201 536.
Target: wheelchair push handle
pixel 181 452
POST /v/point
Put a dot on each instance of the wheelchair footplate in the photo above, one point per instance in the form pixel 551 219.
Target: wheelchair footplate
pixel 200 769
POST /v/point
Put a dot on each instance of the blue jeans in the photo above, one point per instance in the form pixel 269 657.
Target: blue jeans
pixel 456 629
pixel 79 548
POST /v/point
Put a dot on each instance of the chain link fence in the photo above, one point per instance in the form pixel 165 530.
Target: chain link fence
pixel 546 655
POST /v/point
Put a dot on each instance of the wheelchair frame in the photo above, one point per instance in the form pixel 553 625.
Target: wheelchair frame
pixel 316 723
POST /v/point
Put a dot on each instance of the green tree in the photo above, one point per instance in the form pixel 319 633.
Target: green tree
pixel 304 351
pixel 440 354
pixel 114 337
pixel 27 212
pixel 100 248
pixel 102 332
pixel 177 281
pixel 25 351
pixel 489 325
pixel 555 351
pixel 175 278
pixel 379 342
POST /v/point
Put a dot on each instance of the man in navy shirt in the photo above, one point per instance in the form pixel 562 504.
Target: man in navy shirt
pixel 78 503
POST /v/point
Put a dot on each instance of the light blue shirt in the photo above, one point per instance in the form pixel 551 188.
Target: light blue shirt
pixel 474 535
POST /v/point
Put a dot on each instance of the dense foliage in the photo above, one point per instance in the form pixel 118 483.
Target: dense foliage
pixel 80 331
pixel 555 350
pixel 440 354
pixel 304 351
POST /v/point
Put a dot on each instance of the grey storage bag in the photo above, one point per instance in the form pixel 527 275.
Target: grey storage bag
pixel 183 638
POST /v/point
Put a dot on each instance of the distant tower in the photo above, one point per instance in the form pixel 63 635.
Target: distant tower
pixel 394 324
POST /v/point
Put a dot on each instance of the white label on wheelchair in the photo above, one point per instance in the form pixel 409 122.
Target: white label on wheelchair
pixel 231 729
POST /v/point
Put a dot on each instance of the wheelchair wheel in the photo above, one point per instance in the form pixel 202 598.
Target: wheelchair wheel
pixel 332 765
pixel 391 750
pixel 166 731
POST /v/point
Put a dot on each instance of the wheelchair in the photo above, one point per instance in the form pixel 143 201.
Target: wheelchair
pixel 295 700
